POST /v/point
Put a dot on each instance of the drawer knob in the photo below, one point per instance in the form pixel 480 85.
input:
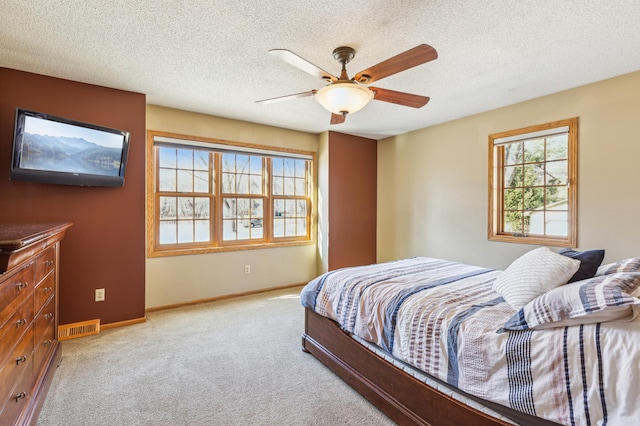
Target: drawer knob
pixel 20 359
pixel 20 396
pixel 48 316
pixel 47 289
pixel 48 262
pixel 47 342
pixel 22 284
pixel 21 322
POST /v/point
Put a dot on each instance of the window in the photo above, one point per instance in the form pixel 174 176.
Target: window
pixel 533 184
pixel 207 195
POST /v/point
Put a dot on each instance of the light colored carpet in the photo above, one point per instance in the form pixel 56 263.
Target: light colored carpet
pixel 231 362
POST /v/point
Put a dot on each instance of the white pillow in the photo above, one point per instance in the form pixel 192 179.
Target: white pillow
pixel 532 274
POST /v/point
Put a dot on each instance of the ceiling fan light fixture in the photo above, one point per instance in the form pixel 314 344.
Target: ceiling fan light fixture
pixel 346 97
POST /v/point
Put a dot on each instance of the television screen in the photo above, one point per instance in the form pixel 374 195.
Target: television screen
pixel 57 150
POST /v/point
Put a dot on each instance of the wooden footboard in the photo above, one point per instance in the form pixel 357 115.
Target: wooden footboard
pixel 402 397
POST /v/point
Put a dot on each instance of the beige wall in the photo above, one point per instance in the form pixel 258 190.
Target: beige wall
pixel 432 183
pixel 322 162
pixel 180 279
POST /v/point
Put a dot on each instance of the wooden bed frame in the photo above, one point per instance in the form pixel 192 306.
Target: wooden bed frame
pixel 402 397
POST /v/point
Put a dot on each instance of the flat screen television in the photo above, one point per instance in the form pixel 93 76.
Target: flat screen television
pixel 58 150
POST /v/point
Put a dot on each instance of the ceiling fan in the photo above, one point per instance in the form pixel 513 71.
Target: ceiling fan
pixel 342 95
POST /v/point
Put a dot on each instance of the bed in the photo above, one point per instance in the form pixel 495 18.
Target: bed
pixel 430 341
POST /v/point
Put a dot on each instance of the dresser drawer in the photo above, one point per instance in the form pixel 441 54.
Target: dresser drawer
pixel 17 364
pixel 45 263
pixel 43 291
pixel 16 400
pixel 44 334
pixel 15 327
pixel 14 290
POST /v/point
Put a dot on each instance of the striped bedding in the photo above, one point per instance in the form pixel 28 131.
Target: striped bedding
pixel 444 318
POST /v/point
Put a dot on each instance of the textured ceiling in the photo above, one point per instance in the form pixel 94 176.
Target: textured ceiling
pixel 212 56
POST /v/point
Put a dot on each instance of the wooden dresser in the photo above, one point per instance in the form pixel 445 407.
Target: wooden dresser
pixel 29 349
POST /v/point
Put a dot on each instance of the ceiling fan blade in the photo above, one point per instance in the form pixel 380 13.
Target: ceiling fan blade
pixel 337 118
pixel 418 55
pixel 287 97
pixel 400 98
pixel 298 62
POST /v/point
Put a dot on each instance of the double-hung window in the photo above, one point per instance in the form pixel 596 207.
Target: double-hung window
pixel 207 195
pixel 533 184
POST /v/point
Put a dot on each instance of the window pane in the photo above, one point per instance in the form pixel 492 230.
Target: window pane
pixel 201 160
pixel 557 224
pixel 185 231
pixel 557 198
pixel 536 222
pixel 513 199
pixel 278 166
pixel 242 181
pixel 513 153
pixel 513 176
pixel 202 231
pixel 229 229
pixel 185 208
pixel 300 187
pixel 255 167
pixel 534 150
pixel 278 208
pixel 201 208
pixel 228 183
pixel 278 186
pixel 168 232
pixel 167 180
pixel 278 228
pixel 302 208
pixel 168 208
pixel 242 163
pixel 557 172
pixel 185 159
pixel 534 174
pixel 167 157
pixel 533 198
pixel 289 227
pixel 185 181
pixel 229 208
pixel 301 227
pixel 289 167
pixel 201 182
pixel 289 186
pixel 229 163
pixel 243 207
pixel 557 147
pixel 300 168
pixel 256 185
pixel 513 221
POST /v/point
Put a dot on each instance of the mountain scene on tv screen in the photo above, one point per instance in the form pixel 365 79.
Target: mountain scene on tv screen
pixel 69 154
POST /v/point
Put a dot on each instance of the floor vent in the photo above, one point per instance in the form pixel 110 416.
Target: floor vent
pixel 78 329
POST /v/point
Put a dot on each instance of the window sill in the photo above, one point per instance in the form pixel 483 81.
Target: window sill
pixel 186 251
pixel 542 241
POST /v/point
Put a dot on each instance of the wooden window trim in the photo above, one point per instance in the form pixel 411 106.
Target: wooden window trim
pixel 152 215
pixel 495 205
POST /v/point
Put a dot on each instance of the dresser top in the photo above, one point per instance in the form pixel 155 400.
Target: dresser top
pixel 14 236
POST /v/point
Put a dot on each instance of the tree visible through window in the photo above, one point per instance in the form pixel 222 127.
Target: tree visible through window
pixel 206 199
pixel 533 184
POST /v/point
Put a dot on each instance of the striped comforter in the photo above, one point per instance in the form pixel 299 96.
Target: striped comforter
pixel 443 318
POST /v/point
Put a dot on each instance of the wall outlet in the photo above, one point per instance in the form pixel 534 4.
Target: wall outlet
pixel 247 269
pixel 99 294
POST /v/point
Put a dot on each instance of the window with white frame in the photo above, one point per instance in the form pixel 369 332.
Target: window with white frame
pixel 533 184
pixel 210 195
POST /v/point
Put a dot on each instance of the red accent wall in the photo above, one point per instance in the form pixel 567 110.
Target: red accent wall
pixel 105 248
pixel 352 200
